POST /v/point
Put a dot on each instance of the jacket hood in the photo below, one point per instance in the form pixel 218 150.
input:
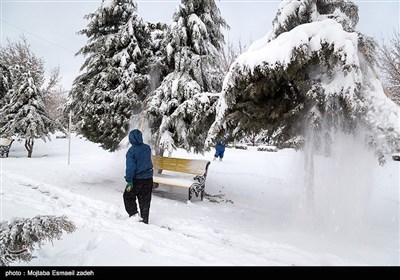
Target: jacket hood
pixel 135 137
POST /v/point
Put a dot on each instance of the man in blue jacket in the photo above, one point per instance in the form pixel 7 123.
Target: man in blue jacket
pixel 139 177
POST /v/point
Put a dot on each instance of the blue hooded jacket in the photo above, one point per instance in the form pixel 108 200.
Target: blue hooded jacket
pixel 138 158
pixel 219 147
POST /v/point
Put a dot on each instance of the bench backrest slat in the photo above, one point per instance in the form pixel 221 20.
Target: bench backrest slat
pixel 5 141
pixel 191 166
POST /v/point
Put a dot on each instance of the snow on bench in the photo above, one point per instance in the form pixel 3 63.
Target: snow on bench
pixel 5 145
pixel 180 173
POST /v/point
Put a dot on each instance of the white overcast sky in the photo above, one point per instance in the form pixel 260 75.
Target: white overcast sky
pixel 51 25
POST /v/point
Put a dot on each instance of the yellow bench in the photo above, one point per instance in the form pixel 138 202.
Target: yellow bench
pixel 180 173
pixel 5 145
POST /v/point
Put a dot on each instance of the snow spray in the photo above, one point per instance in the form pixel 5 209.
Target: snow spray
pixel 338 178
pixel 343 182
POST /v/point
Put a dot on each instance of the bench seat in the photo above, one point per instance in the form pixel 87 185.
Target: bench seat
pixel 180 172
pixel 173 180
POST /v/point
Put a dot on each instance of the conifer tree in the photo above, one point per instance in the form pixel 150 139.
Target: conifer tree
pixel 313 72
pixel 20 237
pixel 114 77
pixel 4 82
pixel 23 113
pixel 182 108
pixel 310 79
pixel 158 68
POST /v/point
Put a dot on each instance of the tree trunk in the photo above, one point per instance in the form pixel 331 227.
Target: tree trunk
pixel 159 152
pixel 29 146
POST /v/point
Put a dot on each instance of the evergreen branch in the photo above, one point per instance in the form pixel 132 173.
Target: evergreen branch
pixel 18 239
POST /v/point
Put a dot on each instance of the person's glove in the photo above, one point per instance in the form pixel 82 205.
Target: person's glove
pixel 129 186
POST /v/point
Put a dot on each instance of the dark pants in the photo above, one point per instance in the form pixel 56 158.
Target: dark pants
pixel 219 154
pixel 141 190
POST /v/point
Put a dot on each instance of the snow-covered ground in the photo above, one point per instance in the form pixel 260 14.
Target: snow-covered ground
pixel 253 215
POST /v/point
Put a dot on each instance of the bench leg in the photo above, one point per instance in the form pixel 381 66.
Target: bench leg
pixel 198 187
pixel 197 190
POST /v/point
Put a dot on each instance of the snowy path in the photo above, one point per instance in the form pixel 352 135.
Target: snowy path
pixel 232 226
pixel 167 242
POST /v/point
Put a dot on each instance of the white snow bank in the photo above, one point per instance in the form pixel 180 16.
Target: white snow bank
pixel 251 215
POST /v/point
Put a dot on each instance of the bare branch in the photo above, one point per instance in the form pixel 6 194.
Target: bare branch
pixel 390 65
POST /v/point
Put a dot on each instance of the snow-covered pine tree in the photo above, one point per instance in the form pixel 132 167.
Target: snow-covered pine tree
pixel 19 53
pixel 23 113
pixel 314 71
pixel 182 108
pixel 20 237
pixel 158 68
pixel 114 77
pixel 4 82
pixel 309 80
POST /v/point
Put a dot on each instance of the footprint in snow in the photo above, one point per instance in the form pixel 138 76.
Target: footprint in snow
pixel 93 244
pixel 119 216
